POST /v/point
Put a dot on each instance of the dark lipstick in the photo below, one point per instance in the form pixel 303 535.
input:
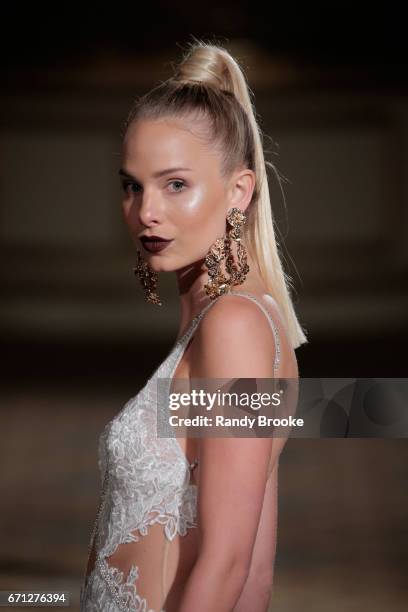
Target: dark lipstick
pixel 154 244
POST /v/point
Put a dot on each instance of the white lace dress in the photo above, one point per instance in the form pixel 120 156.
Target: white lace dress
pixel 146 484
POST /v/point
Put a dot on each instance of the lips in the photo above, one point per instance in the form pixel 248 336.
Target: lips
pixel 154 244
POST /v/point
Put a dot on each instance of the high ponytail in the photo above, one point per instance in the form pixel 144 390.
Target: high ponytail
pixel 210 87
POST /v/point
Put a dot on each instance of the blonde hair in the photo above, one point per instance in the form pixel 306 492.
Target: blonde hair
pixel 209 87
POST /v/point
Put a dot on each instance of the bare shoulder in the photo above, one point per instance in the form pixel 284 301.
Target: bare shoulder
pixel 233 339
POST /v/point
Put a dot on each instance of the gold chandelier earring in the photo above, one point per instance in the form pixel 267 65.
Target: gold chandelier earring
pixel 219 283
pixel 148 279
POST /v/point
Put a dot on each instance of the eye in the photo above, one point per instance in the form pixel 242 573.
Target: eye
pixel 179 185
pixel 134 187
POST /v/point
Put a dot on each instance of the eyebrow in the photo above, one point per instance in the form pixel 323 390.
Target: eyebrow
pixel 158 174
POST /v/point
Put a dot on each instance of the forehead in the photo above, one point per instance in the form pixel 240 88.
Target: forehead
pixel 167 141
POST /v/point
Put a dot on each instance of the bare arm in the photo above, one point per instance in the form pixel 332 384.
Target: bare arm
pixel 257 592
pixel 233 341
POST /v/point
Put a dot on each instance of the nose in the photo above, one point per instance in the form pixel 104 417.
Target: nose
pixel 150 210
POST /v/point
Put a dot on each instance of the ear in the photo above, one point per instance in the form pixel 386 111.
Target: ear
pixel 240 189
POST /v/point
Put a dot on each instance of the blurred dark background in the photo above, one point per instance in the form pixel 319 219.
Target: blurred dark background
pixel 330 85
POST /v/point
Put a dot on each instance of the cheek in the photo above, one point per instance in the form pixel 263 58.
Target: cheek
pixel 200 210
pixel 126 206
pixel 129 212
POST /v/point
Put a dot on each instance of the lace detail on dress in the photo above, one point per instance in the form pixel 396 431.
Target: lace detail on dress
pixel 95 597
pixel 125 589
pixel 149 481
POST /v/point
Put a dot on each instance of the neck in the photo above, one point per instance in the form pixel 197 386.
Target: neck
pixel 193 297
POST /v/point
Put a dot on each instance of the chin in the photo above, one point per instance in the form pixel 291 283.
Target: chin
pixel 158 263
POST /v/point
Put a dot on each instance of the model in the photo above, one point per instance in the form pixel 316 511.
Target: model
pixel 189 524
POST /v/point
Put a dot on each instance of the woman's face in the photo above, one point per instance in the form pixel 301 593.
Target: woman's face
pixel 173 189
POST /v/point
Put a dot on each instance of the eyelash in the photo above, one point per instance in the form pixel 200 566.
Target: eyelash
pixel 126 184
